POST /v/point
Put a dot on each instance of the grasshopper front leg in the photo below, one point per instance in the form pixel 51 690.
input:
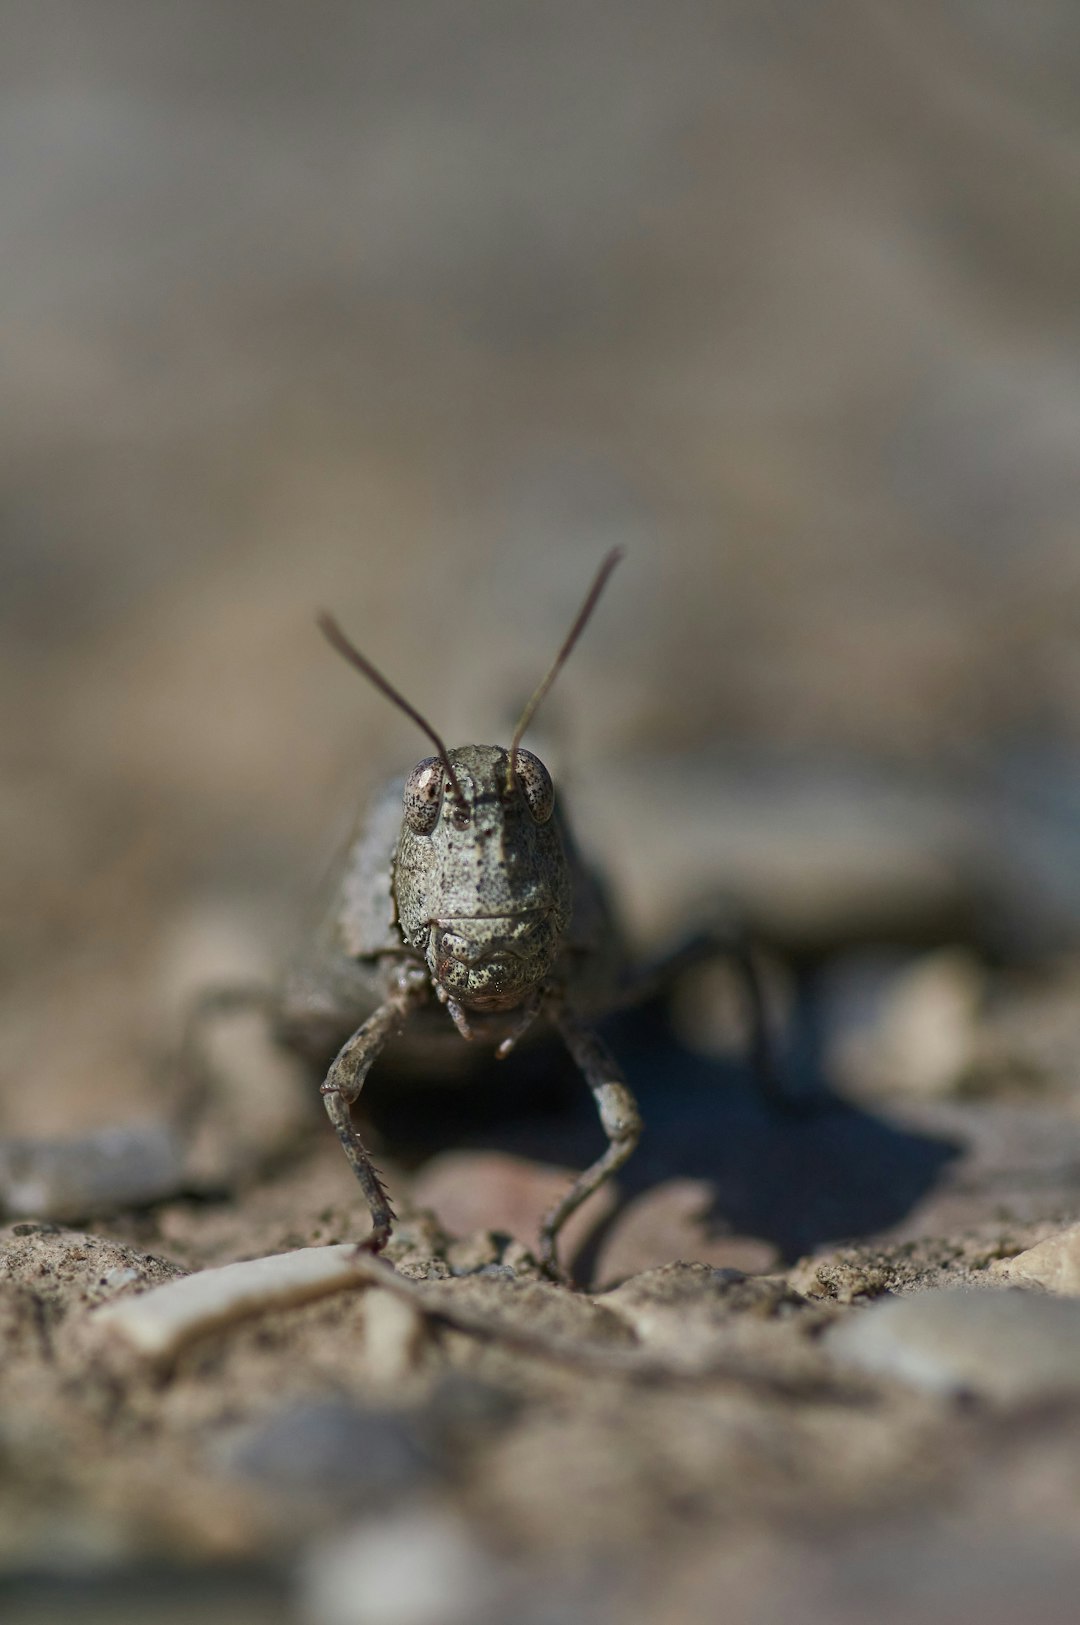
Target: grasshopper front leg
pixel 345 1080
pixel 619 1116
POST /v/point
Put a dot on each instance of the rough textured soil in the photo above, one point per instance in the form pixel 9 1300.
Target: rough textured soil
pixel 410 312
pixel 484 1442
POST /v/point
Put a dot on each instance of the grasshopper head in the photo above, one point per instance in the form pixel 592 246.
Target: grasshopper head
pixel 481 878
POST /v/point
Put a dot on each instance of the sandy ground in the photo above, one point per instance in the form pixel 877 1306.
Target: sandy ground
pixel 689 1426
pixel 412 312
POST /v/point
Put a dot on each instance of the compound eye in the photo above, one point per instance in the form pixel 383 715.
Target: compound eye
pixel 535 781
pixel 423 795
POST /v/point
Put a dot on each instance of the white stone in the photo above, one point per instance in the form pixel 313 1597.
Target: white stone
pixel 1006 1345
pixel 1053 1264
pixel 925 1034
pixel 421 1567
pixel 394 1334
pixel 160 1322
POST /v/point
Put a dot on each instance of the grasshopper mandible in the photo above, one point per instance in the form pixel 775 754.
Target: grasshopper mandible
pixel 463 889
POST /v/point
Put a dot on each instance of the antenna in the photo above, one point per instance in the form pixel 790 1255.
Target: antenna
pixel 600 582
pixel 336 637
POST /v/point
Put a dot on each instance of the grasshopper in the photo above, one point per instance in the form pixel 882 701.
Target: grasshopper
pixel 463 899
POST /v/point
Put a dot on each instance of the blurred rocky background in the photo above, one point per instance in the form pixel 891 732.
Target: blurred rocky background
pixel 412 311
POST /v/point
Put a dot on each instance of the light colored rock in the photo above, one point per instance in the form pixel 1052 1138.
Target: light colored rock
pixel 159 1323
pixel 1007 1346
pixel 96 1173
pixel 1053 1264
pixel 924 1035
pixel 394 1335
pixel 422 1567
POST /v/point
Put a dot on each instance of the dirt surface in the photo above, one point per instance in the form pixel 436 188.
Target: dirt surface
pixel 679 1430
pixel 411 312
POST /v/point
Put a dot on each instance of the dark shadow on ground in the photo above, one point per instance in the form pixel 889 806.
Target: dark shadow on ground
pixel 818 1171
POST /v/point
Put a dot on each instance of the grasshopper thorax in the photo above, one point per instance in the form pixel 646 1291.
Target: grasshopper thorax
pixel 481 879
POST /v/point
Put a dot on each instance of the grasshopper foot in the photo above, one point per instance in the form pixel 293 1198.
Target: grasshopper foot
pixel 383 1219
pixel 548 1260
pixel 373 1245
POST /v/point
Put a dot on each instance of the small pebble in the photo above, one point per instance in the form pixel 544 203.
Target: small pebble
pixel 422 1567
pixel 920 1034
pixel 1008 1346
pixel 1053 1264
pixel 394 1334
pixel 117 1278
pixel 334 1451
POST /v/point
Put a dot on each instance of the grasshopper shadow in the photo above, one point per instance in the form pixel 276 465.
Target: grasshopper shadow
pixel 813 1171
pixel 803 1172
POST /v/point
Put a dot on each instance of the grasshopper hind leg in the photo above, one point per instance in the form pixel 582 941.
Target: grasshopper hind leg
pixel 731 942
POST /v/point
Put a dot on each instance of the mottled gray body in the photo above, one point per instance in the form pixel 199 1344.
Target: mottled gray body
pixel 470 910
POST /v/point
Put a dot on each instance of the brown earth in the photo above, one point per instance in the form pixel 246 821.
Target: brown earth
pixel 411 312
